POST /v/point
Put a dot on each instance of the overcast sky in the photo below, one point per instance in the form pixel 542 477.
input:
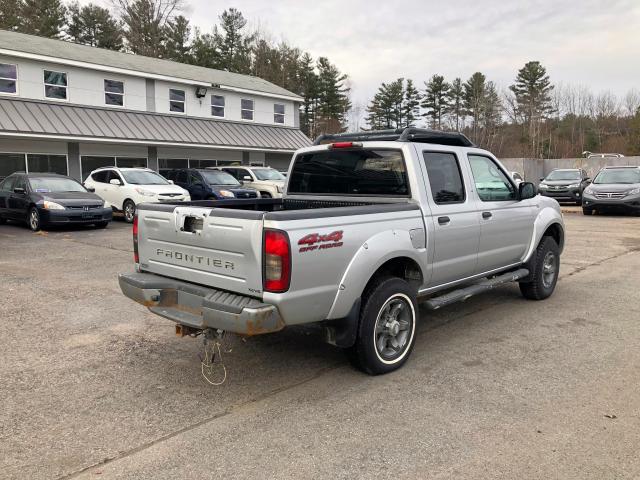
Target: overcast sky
pixel 583 42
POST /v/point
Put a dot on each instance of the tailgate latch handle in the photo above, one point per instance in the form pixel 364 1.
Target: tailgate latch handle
pixel 192 224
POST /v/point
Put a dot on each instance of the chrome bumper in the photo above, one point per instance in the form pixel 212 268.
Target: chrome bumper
pixel 200 307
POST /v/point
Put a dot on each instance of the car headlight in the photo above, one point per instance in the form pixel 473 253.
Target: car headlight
pixel 635 191
pixel 574 185
pixel 145 193
pixel 589 191
pixel 52 205
pixel 226 193
pixel 542 185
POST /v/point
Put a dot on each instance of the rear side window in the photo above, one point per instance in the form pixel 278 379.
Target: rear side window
pixel 181 176
pixel 445 178
pixel 350 172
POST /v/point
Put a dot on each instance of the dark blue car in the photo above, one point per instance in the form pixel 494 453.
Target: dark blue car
pixel 208 184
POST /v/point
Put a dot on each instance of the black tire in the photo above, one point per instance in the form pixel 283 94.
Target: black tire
pixel 129 210
pixel 391 300
pixel 545 269
pixel 101 225
pixel 33 220
pixel 265 195
pixel 587 211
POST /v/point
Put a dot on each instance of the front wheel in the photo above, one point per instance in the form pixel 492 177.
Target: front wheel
pixel 129 211
pixel 34 219
pixel 386 332
pixel 544 271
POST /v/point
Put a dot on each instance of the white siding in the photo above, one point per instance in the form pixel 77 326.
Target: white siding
pixel 199 154
pixel 32 146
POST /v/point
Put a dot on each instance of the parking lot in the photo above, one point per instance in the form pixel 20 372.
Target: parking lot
pixel 93 384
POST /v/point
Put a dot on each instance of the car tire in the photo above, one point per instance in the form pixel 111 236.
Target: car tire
pixel 265 195
pixel 34 221
pixel 129 210
pixel 545 269
pixel 587 211
pixel 386 332
pixel 101 225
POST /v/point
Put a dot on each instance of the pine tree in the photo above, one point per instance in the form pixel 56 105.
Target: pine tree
pixel 233 44
pixel 205 51
pixel 310 91
pixel 474 96
pixel 333 97
pixel 45 18
pixel 177 34
pixel 456 103
pixel 410 105
pixel 10 14
pixel 94 25
pixel 436 100
pixel 386 108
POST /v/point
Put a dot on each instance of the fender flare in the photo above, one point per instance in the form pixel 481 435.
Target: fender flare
pixel 371 255
pixel 547 217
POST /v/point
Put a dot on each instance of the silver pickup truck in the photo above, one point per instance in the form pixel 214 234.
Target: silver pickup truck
pixel 371 224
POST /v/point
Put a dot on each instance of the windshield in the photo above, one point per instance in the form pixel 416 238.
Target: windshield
pixel 53 184
pixel 564 175
pixel 214 177
pixel 143 177
pixel 622 175
pixel 267 174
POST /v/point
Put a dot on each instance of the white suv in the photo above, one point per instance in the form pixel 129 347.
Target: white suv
pixel 124 188
pixel 268 181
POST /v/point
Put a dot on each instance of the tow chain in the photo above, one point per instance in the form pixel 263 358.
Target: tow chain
pixel 212 362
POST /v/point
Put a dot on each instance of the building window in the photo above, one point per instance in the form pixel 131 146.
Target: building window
pixel 246 109
pixel 131 162
pixel 89 163
pixel 217 106
pixel 55 85
pixel 176 100
pixel 114 93
pixel 8 78
pixel 278 113
pixel 167 163
pixel 10 163
pixel 47 163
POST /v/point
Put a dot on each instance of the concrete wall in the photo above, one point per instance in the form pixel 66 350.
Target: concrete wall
pixel 534 168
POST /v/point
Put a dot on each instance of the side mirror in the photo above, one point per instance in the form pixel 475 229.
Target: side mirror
pixel 115 181
pixel 170 181
pixel 247 178
pixel 19 190
pixel 90 189
pixel 541 179
pixel 527 190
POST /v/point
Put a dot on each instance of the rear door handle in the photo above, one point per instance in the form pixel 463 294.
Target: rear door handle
pixel 443 220
pixel 487 215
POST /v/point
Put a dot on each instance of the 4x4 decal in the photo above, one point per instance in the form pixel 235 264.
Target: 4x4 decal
pixel 316 241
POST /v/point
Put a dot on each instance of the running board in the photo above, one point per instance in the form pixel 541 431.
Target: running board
pixel 462 294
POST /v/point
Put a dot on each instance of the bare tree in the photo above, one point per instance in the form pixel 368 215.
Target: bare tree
pixel 631 102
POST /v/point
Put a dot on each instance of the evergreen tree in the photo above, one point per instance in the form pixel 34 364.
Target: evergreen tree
pixel 177 34
pixel 333 98
pixel 204 51
pixel 436 100
pixel 94 25
pixel 45 18
pixel 386 109
pixel 456 103
pixel 233 44
pixel 310 91
pixel 474 99
pixel 410 105
pixel 10 14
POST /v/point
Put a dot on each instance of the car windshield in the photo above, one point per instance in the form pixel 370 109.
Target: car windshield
pixel 620 175
pixel 54 184
pixel 268 174
pixel 564 175
pixel 214 177
pixel 143 177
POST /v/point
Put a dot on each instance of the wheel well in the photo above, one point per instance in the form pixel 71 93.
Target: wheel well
pixel 556 232
pixel 401 267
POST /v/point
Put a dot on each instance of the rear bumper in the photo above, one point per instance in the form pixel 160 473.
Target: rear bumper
pixel 58 217
pixel 200 307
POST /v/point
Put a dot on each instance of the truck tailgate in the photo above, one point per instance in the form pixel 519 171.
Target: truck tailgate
pixel 216 247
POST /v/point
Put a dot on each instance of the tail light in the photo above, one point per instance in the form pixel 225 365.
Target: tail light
pixel 345 145
pixel 276 261
pixel 136 257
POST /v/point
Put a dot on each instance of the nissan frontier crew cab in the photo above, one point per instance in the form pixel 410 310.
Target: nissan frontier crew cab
pixel 371 224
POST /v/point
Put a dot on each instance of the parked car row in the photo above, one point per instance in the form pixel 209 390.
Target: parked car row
pixel 40 199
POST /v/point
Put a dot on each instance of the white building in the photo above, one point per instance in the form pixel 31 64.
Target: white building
pixel 71 108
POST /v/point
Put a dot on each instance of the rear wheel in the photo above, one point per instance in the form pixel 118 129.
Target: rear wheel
pixel 34 219
pixel 129 209
pixel 545 270
pixel 386 332
pixel 587 211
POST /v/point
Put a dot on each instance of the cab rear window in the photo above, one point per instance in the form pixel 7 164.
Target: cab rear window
pixel 350 172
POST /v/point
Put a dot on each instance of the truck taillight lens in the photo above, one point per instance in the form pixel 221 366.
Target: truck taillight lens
pixel 276 261
pixel 136 257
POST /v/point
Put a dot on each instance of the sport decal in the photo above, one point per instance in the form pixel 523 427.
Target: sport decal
pixel 316 241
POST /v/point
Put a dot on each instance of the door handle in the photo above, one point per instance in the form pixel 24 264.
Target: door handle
pixel 487 215
pixel 443 220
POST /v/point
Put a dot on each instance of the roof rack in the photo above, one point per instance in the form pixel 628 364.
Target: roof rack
pixel 410 134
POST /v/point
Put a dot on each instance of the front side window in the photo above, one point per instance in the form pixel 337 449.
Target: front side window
pixel 114 93
pixel 246 109
pixel 350 172
pixel 491 183
pixel 217 106
pixel 55 85
pixel 8 78
pixel 278 113
pixel 176 100
pixel 445 177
